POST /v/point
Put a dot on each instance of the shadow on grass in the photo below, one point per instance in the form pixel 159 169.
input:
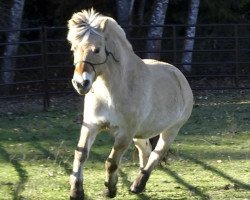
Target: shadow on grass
pixel 57 159
pixel 187 185
pixel 237 183
pixel 125 180
pixel 22 173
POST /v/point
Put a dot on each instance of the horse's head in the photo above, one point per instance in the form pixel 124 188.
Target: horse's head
pixel 88 45
pixel 94 38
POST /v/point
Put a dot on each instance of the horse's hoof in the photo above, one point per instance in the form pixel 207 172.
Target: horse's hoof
pixel 136 189
pixel 77 198
pixel 76 191
pixel 109 193
pixel 140 182
pixel 77 195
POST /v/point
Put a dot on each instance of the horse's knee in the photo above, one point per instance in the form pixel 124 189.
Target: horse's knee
pixel 140 182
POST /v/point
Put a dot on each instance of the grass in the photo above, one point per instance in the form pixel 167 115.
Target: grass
pixel 209 159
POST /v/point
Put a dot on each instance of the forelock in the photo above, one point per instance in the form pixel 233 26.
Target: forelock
pixel 82 24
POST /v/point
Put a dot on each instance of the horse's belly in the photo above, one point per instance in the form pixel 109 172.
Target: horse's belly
pixel 147 134
pixel 153 128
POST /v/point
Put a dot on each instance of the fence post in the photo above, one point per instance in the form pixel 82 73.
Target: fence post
pixel 46 100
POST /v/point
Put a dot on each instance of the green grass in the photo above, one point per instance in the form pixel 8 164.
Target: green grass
pixel 209 159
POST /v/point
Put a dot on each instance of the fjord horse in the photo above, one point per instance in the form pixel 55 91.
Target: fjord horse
pixel 135 99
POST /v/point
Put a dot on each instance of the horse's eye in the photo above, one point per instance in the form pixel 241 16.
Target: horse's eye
pixel 97 50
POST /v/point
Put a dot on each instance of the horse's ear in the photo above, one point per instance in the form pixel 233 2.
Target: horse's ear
pixel 103 25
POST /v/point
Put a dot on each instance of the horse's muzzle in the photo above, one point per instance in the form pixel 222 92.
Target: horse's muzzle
pixel 83 87
pixel 82 83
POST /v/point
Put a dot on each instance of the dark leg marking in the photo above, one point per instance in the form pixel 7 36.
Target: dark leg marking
pixel 110 189
pixel 110 165
pixel 82 153
pixel 78 193
pixel 140 182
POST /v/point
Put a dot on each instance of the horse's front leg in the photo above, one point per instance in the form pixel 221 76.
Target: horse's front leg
pixel 122 142
pixel 86 140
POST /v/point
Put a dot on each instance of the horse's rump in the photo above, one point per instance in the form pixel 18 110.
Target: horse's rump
pixel 168 102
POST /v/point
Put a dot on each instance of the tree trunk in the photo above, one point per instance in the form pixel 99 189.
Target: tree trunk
pixel 4 10
pixel 141 11
pixel 158 18
pixel 124 13
pixel 12 37
pixel 190 34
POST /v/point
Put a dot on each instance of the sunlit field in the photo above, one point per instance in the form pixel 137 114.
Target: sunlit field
pixel 208 160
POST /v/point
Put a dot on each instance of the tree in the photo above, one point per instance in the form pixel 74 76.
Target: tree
pixel 141 11
pixel 15 21
pixel 124 13
pixel 190 34
pixel 4 9
pixel 157 18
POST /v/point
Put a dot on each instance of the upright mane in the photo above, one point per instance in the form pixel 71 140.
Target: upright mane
pixel 87 22
pixel 82 24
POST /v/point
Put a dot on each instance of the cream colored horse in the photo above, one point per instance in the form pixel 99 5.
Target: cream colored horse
pixel 135 99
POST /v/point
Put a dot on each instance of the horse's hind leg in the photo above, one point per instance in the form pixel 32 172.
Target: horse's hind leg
pixel 144 148
pixel 163 144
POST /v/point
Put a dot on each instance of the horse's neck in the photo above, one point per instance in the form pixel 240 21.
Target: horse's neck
pixel 113 82
pixel 113 76
pixel 104 83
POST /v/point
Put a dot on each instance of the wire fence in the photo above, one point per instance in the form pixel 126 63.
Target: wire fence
pixel 42 65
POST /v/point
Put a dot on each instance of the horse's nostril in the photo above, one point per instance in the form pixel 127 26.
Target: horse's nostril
pixel 86 83
pixel 79 85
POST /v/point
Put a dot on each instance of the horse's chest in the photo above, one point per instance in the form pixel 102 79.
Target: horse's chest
pixel 101 112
